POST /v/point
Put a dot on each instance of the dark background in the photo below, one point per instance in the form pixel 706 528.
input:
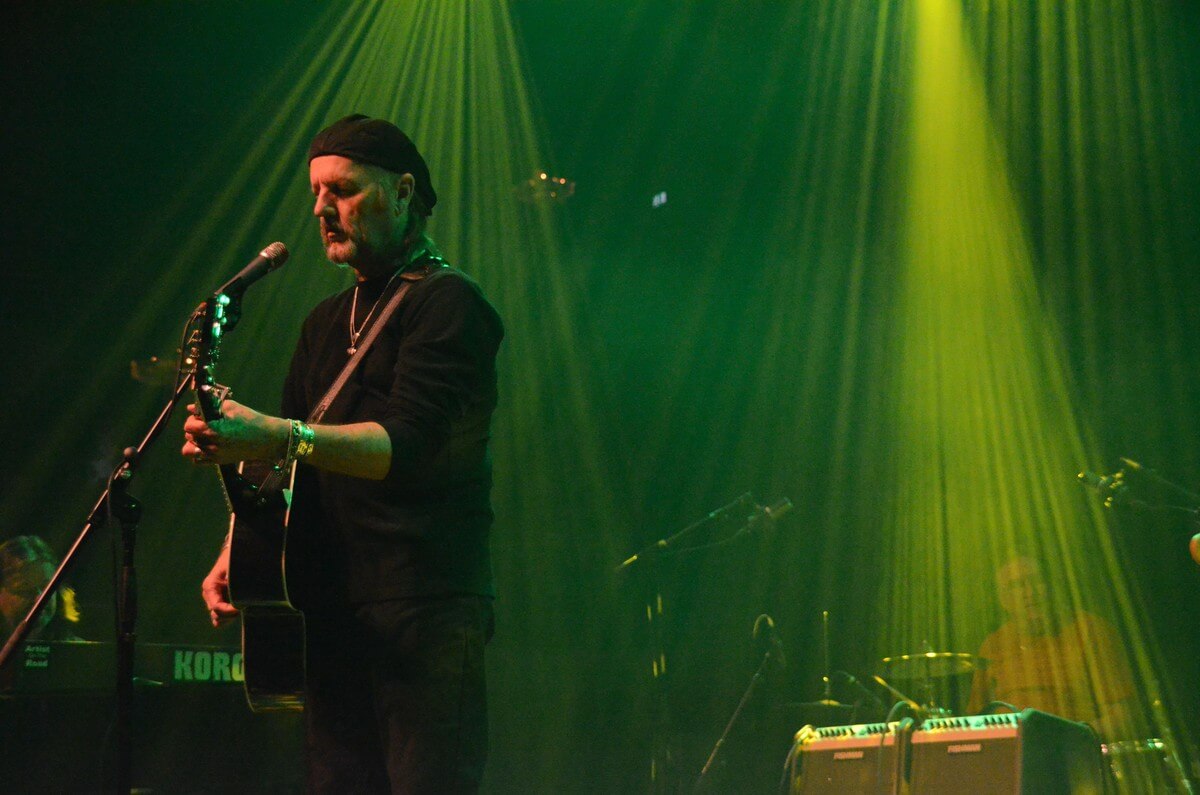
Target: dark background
pixel 712 361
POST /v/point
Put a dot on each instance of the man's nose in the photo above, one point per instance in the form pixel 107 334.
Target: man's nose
pixel 324 208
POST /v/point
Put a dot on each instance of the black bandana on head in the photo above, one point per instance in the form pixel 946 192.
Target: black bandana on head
pixel 378 143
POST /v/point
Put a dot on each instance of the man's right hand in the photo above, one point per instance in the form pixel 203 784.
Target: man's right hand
pixel 215 591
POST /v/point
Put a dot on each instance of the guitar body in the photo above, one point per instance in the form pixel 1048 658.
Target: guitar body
pixel 273 658
pixel 258 498
pixel 272 630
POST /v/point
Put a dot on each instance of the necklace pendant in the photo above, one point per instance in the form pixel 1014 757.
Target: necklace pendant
pixel 351 350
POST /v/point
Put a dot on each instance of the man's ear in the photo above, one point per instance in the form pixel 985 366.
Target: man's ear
pixel 405 187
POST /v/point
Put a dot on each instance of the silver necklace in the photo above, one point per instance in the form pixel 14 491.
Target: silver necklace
pixel 356 333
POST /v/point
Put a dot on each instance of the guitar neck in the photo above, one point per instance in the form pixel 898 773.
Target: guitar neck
pixel 208 402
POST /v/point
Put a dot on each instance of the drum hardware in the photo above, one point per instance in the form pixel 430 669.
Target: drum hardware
pixel 930 664
pixel 827 705
pixel 1142 765
pixel 935 676
pixel 826 679
pixel 915 709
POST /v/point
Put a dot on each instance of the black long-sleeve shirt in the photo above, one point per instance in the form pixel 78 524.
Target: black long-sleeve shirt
pixel 430 380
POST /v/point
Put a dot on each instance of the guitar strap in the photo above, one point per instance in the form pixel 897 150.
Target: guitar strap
pixel 408 278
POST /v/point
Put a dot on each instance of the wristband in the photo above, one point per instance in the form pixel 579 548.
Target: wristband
pixel 300 441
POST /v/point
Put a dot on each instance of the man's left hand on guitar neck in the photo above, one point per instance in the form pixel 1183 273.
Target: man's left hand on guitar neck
pixel 361 449
pixel 241 434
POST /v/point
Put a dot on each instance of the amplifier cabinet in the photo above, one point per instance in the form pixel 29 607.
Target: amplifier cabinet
pixel 1028 752
pixel 845 759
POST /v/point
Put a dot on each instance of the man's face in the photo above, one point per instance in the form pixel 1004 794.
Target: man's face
pixel 1021 589
pixel 356 208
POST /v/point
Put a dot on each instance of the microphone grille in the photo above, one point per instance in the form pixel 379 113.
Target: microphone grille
pixel 276 252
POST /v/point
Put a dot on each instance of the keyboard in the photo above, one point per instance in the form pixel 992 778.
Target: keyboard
pixel 72 666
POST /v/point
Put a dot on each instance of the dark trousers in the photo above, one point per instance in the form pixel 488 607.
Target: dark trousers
pixel 396 700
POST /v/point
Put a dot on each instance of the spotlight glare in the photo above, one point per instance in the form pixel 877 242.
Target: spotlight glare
pixel 543 188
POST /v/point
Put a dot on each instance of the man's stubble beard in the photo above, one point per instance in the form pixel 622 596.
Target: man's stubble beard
pixel 348 254
pixel 355 253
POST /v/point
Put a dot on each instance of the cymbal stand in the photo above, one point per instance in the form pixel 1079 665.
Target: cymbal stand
pixel 827 677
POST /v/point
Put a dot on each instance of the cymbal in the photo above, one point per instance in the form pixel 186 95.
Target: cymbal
pixel 814 710
pixel 931 663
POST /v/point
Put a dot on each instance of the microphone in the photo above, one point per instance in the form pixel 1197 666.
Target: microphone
pixel 1098 482
pixel 768 513
pixel 764 633
pixel 270 258
pixel 1113 487
pixel 777 511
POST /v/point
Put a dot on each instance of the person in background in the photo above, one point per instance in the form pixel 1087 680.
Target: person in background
pixel 1069 663
pixel 26 565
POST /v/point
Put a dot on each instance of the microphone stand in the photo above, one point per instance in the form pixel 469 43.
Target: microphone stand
pixel 115 501
pixel 1117 493
pixel 767 660
pixel 670 542
pixel 1157 478
pixel 661 760
pixel 1118 497
pixel 1116 490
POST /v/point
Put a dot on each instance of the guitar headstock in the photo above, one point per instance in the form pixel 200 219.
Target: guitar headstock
pixel 204 348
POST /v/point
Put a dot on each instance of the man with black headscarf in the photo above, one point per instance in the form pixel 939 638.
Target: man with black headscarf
pixel 388 545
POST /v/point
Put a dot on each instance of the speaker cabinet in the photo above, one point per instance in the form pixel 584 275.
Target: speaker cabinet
pixel 845 759
pixel 1028 752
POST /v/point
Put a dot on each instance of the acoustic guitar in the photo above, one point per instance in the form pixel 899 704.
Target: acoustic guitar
pixel 258 496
